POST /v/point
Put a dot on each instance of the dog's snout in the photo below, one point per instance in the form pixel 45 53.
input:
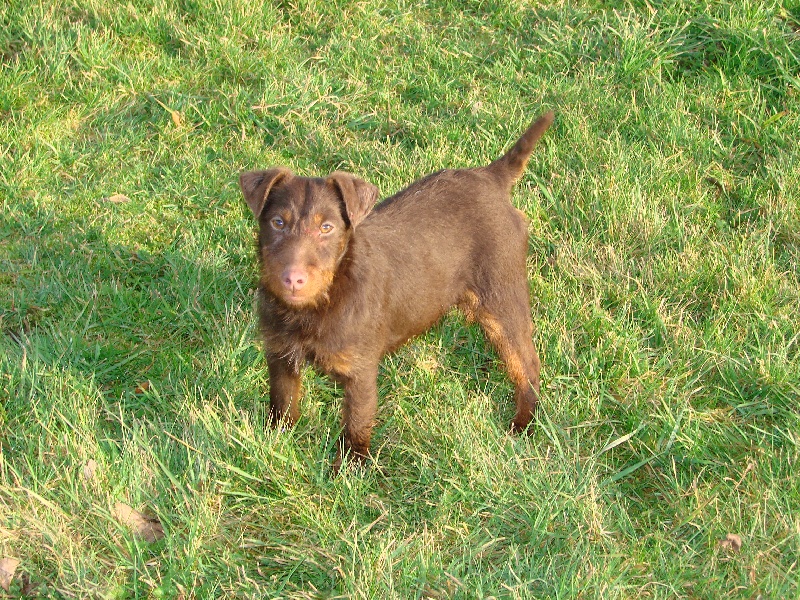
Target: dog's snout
pixel 294 278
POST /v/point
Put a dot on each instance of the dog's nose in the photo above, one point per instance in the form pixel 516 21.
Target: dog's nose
pixel 294 279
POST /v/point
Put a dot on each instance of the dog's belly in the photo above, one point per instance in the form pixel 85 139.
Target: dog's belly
pixel 416 316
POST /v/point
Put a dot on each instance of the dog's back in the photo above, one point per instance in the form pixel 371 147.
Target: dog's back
pixel 437 239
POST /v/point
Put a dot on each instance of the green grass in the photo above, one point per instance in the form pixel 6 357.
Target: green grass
pixel 664 272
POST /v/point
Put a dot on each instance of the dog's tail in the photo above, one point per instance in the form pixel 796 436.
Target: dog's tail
pixel 512 164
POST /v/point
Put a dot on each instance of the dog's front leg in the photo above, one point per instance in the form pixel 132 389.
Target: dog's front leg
pixel 358 415
pixel 284 391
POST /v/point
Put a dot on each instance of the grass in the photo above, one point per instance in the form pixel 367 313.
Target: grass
pixel 665 246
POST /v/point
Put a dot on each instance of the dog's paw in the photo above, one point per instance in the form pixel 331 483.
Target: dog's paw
pixel 520 427
pixel 352 461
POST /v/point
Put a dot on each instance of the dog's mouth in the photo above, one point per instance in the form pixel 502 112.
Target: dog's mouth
pixel 299 298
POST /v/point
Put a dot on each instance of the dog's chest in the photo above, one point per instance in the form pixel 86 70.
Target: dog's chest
pixel 300 345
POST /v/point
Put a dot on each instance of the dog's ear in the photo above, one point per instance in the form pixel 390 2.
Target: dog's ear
pixel 359 196
pixel 256 186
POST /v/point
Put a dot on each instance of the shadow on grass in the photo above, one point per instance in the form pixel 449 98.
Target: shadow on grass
pixel 148 331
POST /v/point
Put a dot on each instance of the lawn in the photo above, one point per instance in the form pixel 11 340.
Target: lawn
pixel 664 271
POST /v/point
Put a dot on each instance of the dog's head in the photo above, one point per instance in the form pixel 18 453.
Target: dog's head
pixel 305 225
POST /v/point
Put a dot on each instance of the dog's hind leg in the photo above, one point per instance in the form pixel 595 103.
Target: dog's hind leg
pixel 506 321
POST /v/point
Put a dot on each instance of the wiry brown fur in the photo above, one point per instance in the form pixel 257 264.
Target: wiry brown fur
pixel 341 286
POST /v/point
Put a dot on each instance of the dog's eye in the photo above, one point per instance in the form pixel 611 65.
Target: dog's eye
pixel 326 228
pixel 277 223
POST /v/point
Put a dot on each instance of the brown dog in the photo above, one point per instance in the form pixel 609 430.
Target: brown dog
pixel 342 283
